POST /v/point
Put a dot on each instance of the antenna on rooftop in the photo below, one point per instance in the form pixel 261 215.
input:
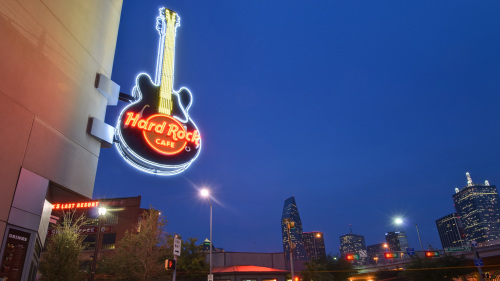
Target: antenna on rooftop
pixel 469 179
pixel 350 228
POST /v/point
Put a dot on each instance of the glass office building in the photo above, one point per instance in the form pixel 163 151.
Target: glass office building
pixel 314 244
pixel 396 240
pixel 353 244
pixel 451 231
pixel 291 214
pixel 479 209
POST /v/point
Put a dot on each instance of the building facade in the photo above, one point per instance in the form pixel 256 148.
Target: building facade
pixel 451 231
pixel 103 232
pixel 353 244
pixel 50 54
pixel 314 243
pixel 291 215
pixel 479 210
pixel 375 252
pixel 396 240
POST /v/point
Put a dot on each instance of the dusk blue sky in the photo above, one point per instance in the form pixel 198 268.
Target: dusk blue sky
pixel 362 110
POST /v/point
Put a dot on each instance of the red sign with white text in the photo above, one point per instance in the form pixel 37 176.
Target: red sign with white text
pixel 79 205
pixel 162 132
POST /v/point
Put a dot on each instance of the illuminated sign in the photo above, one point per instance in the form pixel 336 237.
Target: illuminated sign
pixel 155 133
pixel 79 205
pixel 83 230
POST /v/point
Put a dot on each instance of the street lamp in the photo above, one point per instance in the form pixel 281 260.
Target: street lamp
pixel 289 225
pixel 101 212
pixel 206 193
pixel 399 221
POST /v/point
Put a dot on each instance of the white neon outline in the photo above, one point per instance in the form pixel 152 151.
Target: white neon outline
pixel 123 149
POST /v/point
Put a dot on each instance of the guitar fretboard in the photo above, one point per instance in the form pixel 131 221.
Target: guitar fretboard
pixel 165 105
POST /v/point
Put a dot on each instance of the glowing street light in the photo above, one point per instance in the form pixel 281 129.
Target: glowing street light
pixel 102 212
pixel 398 221
pixel 206 193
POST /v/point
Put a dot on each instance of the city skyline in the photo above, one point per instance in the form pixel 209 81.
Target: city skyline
pixel 395 96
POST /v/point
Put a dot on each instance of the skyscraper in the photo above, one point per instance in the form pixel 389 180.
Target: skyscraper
pixel 451 231
pixel 479 209
pixel 352 244
pixel 396 240
pixel 314 245
pixel 291 214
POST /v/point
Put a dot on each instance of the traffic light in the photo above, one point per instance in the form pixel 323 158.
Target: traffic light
pixel 351 257
pixel 170 264
pixel 390 255
pixel 431 254
pixel 296 278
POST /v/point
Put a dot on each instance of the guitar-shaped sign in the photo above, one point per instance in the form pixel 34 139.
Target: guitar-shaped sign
pixel 155 133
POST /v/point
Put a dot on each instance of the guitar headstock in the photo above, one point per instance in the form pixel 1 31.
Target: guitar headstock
pixel 166 15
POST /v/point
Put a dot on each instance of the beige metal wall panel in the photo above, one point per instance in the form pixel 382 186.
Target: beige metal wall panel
pixel 94 23
pixel 47 69
pixel 44 221
pixel 15 127
pixel 59 159
pixel 30 193
pixel 24 219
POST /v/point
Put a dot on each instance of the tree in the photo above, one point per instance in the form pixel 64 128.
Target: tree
pixel 191 265
pixel 315 271
pixel 445 268
pixel 60 260
pixel 332 268
pixel 140 255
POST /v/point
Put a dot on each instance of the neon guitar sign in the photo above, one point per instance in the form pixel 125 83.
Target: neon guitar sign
pixel 155 133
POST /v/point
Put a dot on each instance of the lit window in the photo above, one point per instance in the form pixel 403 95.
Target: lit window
pixel 108 241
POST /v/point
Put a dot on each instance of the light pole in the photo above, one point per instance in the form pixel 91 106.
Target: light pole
pixel 102 213
pixel 206 193
pixel 399 221
pixel 290 224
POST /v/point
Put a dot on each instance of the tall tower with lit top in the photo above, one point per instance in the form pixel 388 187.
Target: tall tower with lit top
pixel 479 209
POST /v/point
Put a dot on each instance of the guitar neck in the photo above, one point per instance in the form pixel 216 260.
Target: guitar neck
pixel 165 105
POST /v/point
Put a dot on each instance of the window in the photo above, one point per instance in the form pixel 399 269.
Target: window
pixel 89 242
pixel 110 219
pixel 108 241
